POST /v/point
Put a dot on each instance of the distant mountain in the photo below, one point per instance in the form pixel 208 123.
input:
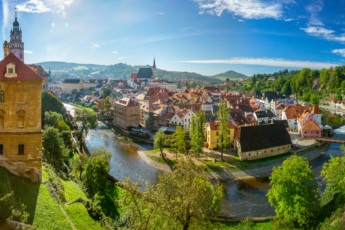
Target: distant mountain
pixel 123 71
pixel 230 74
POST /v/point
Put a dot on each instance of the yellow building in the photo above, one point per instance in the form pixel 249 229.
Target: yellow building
pixel 20 118
pixel 68 85
pixel 212 133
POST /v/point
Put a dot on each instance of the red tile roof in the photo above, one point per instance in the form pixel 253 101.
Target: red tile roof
pixel 316 110
pixel 126 102
pixel 24 72
pixel 214 125
pixel 134 75
pixel 311 125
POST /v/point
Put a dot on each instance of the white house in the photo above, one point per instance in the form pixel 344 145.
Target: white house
pixel 186 120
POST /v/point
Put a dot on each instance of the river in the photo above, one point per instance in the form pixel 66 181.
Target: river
pixel 242 198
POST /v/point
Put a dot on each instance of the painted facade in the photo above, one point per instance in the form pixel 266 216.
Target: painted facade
pixel 212 132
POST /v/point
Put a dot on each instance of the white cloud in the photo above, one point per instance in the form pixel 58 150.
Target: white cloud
pixel 95 45
pixel 240 20
pixel 33 6
pixel 339 52
pixel 277 62
pixel 314 9
pixel 68 2
pixel 28 52
pixel 115 52
pixel 289 19
pixel 318 31
pixel 4 18
pixel 161 13
pixel 251 9
pixel 124 58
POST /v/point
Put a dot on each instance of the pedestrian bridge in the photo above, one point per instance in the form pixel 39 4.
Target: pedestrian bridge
pixel 332 140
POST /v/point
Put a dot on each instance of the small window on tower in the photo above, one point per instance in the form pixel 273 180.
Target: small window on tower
pixel 10 70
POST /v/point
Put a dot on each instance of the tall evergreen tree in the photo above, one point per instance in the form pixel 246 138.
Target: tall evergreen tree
pixel 196 132
pixel 178 141
pixel 223 137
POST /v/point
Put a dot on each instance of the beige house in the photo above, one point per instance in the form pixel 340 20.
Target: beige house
pixel 68 85
pixel 126 113
pixel 255 142
pixel 163 85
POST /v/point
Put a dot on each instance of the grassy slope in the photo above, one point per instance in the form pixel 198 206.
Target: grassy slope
pixel 255 226
pixel 44 212
pixel 77 212
pixel 3 186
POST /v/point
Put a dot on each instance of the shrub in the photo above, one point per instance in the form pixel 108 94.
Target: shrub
pixel 6 206
pixel 281 224
pixel 245 224
pixel 55 187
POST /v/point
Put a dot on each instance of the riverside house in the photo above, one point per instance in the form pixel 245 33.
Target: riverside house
pixel 212 133
pixel 255 142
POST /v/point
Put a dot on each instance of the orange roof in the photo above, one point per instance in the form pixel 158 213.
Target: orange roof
pixel 316 110
pixel 293 112
pixel 24 72
pixel 214 125
pixel 311 125
pixel 280 106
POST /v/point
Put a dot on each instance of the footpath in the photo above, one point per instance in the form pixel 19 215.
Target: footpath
pixel 256 171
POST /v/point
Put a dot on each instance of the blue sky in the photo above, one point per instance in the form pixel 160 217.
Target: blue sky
pixel 203 36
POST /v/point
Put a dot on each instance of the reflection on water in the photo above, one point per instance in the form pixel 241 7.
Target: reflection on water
pixel 242 198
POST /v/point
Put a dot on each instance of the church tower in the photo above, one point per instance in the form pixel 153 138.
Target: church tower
pixel 16 45
pixel 154 71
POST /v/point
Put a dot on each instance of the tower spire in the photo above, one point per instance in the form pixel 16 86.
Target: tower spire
pixel 154 61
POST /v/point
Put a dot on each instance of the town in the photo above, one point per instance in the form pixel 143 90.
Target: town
pixel 155 149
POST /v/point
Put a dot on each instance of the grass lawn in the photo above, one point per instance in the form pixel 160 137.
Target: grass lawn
pixel 154 151
pixel 255 226
pixel 44 212
pixel 160 160
pixel 3 186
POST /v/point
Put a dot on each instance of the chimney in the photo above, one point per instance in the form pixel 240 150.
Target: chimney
pixel 6 49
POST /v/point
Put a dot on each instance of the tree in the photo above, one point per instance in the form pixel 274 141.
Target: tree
pixel 227 79
pixel 314 100
pixel 101 151
pixel 223 139
pixel 294 191
pixel 62 126
pixel 52 144
pixel 74 91
pixel 79 165
pixel 159 141
pixel 91 88
pixel 182 199
pixel 106 105
pixel 86 117
pixel 333 173
pixel 178 141
pixel 6 207
pixel 51 103
pixel 52 118
pixel 66 138
pixel 95 175
pixel 106 92
pixel 196 132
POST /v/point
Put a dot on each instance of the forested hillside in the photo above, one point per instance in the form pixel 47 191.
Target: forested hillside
pixel 309 84
pixel 230 74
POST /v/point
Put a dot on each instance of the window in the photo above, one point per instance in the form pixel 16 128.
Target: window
pixel 21 149
pixel 1 149
pixel 311 132
pixel 10 70
pixel 249 154
pixel 265 152
pixel 305 132
pixel 271 150
pixel 21 122
pixel 317 132
pixel 1 97
pixel 217 134
pixel 257 153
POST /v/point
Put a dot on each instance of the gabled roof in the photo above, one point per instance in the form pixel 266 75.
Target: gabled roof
pixel 253 138
pixel 24 72
pixel 145 73
pixel 126 102
pixel 311 125
pixel 134 75
pixel 214 125
pixel 316 110
pixel 39 70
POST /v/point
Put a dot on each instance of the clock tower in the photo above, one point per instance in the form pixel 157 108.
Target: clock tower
pixel 16 45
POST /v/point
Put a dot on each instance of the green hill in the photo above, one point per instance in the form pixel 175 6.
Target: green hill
pixel 230 74
pixel 123 71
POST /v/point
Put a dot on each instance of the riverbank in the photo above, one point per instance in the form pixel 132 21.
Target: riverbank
pixel 246 170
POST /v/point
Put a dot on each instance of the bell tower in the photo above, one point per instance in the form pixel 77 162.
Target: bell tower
pixel 16 45
pixel 154 70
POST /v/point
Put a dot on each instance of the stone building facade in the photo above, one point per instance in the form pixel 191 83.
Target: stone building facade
pixel 20 118
pixel 126 113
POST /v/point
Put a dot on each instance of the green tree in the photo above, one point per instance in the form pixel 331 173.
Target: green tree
pixel 52 118
pixel 66 138
pixel 50 103
pixel 79 165
pixel 101 151
pixel 159 140
pixel 178 141
pixel 85 117
pixel 294 191
pixel 62 126
pixel 95 175
pixel 52 144
pixel 223 139
pixel 182 199
pixel 196 132
pixel 106 92
pixel 333 173
pixel 106 105
pixel 227 79
pixel 314 99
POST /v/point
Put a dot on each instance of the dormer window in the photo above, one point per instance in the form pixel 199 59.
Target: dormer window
pixel 11 71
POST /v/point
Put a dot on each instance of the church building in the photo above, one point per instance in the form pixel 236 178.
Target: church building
pixel 20 111
pixel 144 76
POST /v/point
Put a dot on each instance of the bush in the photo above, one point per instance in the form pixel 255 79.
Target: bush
pixel 6 206
pixel 55 187
pixel 281 224
pixel 245 224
